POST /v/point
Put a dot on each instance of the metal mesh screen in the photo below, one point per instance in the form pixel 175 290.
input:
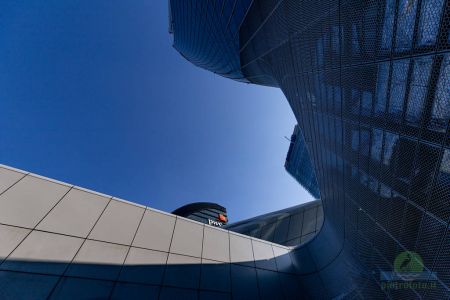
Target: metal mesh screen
pixel 369 84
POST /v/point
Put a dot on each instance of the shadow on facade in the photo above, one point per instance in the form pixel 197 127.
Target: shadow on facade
pixel 263 279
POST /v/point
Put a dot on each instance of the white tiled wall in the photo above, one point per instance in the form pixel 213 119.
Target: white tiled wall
pixel 58 240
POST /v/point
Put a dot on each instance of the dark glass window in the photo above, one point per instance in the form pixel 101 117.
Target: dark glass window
pixel 441 105
pixel 405 24
pixel 390 141
pixel 398 87
pixel 382 82
pixel 366 103
pixel 388 25
pixel 430 16
pixel 355 140
pixel 418 90
pixel 365 142
pixel 377 142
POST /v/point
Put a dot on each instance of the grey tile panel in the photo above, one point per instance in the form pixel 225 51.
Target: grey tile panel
pixel 75 214
pixel 283 260
pixel 127 291
pixel 269 285
pixel 15 285
pixel 215 276
pixel 216 245
pixel 28 201
pixel 10 238
pixel 198 264
pixel 144 266
pixel 241 251
pixel 170 293
pixel 118 223
pixel 244 283
pixel 155 231
pixel 98 260
pixel 81 288
pixel 187 238
pixel 208 295
pixel 43 252
pixel 8 178
pixel 263 254
pixel 182 271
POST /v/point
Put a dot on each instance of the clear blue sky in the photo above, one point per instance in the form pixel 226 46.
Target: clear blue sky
pixel 92 93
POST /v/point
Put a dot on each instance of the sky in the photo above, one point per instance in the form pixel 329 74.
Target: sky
pixel 92 93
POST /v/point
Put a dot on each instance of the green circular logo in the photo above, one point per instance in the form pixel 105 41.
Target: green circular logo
pixel 408 261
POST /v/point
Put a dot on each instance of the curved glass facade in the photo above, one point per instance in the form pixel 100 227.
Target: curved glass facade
pixel 207 33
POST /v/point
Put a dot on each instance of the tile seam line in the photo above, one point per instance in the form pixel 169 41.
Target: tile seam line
pixel 167 259
pixel 32 229
pixel 138 247
pixel 111 281
pixel 16 182
pixel 76 253
pixel 126 255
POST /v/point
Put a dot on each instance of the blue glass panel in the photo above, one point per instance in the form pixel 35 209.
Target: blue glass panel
pixel 382 82
pixel 398 88
pixel 430 15
pixel 390 141
pixel 405 24
pixel 418 90
pixel 388 24
pixel 377 143
pixel 366 103
pixel 355 140
pixel 365 142
pixel 441 105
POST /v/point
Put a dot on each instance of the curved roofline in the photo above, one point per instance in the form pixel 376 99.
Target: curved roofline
pixel 192 207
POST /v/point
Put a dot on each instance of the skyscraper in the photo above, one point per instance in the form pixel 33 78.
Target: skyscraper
pixel 298 163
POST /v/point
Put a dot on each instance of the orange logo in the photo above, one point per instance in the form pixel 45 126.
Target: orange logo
pixel 222 218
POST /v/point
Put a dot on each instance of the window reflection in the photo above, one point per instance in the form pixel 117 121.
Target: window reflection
pixel 355 40
pixel 405 24
pixel 388 24
pixel 365 142
pixel 398 87
pixel 390 141
pixel 355 102
pixel 377 142
pixel 441 105
pixel 366 103
pixel 418 90
pixel 430 16
pixel 445 163
pixel 385 191
pixel 382 81
pixel 320 52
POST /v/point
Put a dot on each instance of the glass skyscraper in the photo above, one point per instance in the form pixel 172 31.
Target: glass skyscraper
pixel 298 163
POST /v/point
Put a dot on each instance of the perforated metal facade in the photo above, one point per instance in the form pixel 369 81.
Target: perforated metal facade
pixel 369 84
